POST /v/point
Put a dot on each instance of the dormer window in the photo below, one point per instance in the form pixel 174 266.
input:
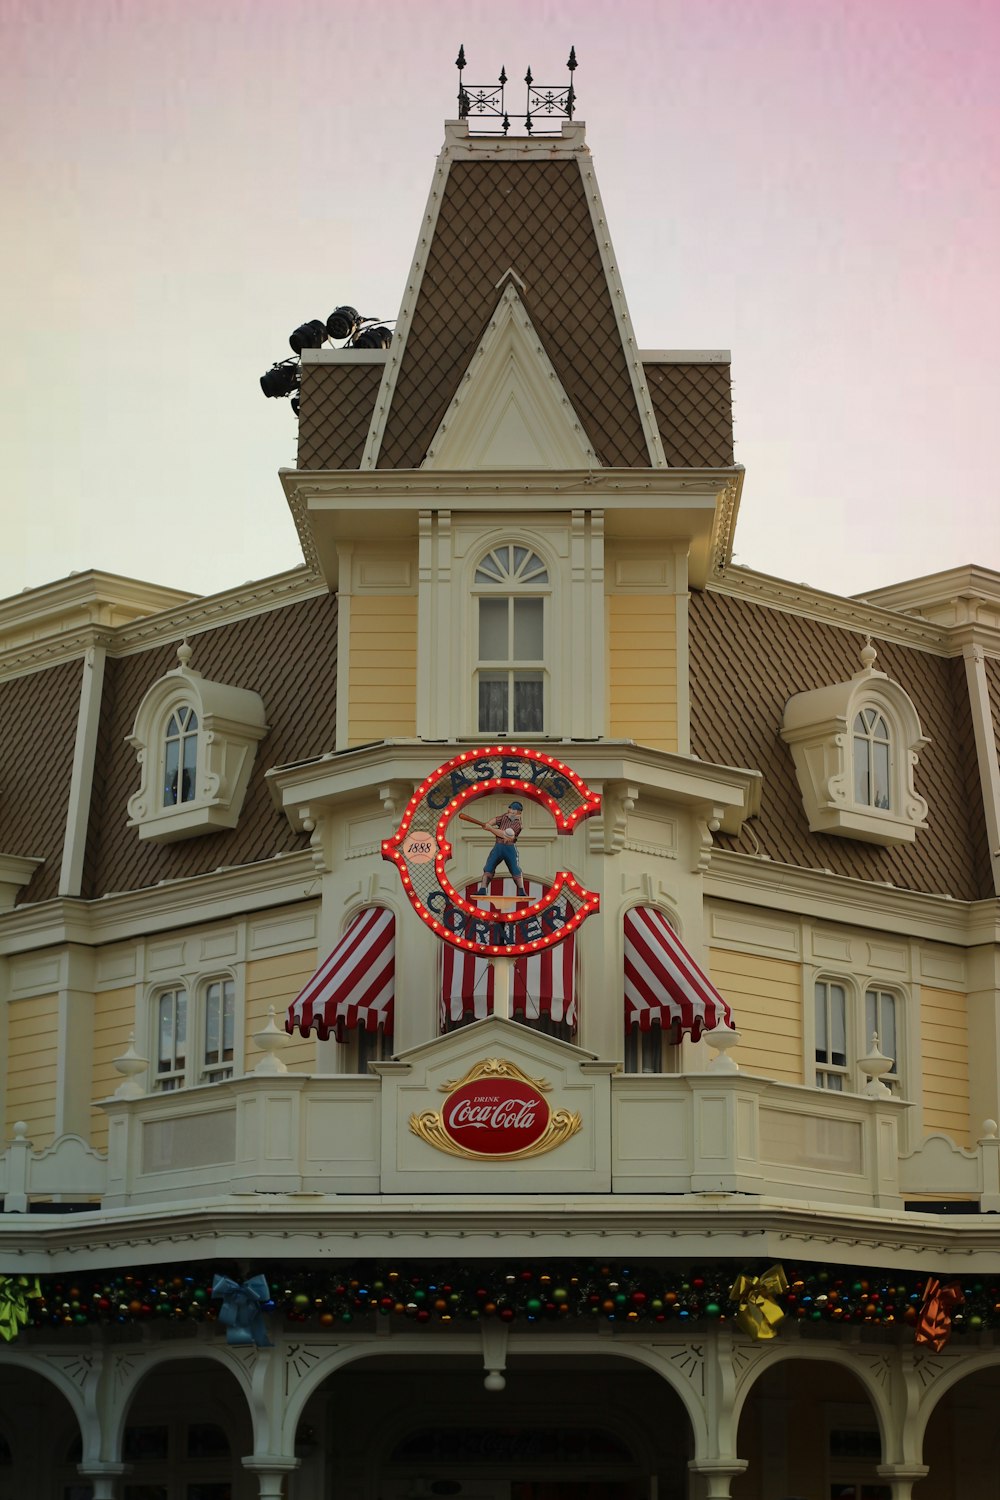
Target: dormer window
pixel 195 742
pixel 872 744
pixel 180 757
pixel 856 746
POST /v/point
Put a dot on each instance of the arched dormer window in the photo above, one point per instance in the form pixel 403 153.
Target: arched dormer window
pixel 856 746
pixel 195 742
pixel 180 756
pixel 512 584
pixel 872 746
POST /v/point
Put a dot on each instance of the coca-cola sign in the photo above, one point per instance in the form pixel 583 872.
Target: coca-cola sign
pixel 495 1112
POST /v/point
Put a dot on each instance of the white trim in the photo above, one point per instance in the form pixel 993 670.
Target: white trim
pixel 396 351
pixel 831 609
pixel 685 356
pixel 633 358
pixel 82 778
pixel 350 356
pixel 986 751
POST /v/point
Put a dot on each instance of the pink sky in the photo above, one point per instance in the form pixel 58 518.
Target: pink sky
pixel 813 185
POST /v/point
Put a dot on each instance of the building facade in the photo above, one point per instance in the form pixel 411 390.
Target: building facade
pixel 246 1248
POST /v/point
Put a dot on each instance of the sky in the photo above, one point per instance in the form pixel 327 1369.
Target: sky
pixel 813 184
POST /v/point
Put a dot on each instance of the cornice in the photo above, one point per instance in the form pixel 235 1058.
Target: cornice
pixel 284 1227
pixel 728 793
pixel 279 881
pixel 831 609
pixel 574 487
pixel 195 614
pixel 755 881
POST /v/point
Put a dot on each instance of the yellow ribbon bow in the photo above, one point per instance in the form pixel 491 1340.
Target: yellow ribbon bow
pixel 15 1292
pixel 758 1313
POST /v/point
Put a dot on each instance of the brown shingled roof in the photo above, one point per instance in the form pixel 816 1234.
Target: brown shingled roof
pixel 532 216
pixel 746 662
pixel 335 412
pixel 993 684
pixel 38 716
pixel 693 404
pixel 289 656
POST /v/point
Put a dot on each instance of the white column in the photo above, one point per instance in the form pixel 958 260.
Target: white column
pixel 271 1469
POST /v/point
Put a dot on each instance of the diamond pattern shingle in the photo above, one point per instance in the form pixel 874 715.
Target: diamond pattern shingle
pixel 38 716
pixel 289 656
pixel 336 405
pixel 693 404
pixel 532 216
pixel 746 662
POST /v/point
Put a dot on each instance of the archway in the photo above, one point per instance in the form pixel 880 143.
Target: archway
pixel 40 1438
pixel 186 1429
pixel 566 1426
pixel 962 1440
pixel 808 1427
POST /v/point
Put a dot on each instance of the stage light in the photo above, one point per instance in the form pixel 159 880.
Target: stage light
pixel 311 335
pixel 373 338
pixel 281 379
pixel 343 322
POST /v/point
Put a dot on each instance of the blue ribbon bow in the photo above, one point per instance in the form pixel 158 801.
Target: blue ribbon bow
pixel 240 1313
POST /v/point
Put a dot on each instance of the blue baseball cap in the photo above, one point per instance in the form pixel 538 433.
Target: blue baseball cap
pixel 515 806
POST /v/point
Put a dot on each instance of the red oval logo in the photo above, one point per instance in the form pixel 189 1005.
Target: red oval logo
pixel 495 1117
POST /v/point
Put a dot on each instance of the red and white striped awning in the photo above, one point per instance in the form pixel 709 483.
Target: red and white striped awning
pixel 543 982
pixel 355 986
pixel 663 985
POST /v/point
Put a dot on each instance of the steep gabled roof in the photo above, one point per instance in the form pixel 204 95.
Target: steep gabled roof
pixel 500 205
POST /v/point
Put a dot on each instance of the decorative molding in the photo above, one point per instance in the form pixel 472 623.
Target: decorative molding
pixel 169 625
pixel 724 531
pixel 813 604
pixel 284 879
pixel 760 882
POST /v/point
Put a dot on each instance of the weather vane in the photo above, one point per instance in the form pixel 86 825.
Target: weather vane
pixel 544 104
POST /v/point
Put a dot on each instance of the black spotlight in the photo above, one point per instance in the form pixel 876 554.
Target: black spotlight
pixel 373 338
pixel 308 336
pixel 295 405
pixel 342 322
pixel 280 380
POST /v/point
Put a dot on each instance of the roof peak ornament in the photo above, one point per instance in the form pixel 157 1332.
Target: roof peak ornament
pixel 544 104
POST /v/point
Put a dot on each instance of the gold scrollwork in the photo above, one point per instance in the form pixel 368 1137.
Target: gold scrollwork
pixel 562 1125
pixel 495 1067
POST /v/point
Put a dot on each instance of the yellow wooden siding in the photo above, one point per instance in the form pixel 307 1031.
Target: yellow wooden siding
pixel 944 1046
pixel 114 1021
pixel 766 999
pixel 32 1027
pixel 382 676
pixel 276 981
pixel 642 669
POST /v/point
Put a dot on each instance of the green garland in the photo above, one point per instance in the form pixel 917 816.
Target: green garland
pixel 646 1293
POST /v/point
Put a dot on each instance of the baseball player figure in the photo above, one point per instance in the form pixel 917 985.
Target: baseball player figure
pixel 506 828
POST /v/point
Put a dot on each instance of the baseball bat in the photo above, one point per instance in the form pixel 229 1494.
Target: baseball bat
pixel 468 818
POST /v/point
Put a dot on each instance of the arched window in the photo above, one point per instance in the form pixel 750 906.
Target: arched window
pixel 872 747
pixel 512 583
pixel 180 757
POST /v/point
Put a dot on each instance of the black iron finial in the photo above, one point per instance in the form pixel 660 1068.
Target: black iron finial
pixel 549 101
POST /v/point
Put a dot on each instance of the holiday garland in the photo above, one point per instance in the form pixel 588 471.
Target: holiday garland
pixel 646 1293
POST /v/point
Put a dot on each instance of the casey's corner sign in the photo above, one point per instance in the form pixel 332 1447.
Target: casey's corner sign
pixel 420 851
pixel 495 1112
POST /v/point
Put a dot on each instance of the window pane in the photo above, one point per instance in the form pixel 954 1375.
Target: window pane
pixel 190 767
pixel 170 773
pixel 528 615
pixel 493 639
pixel 880 751
pixel 528 703
pixel 838 1025
pixel 228 1019
pixel 213 1008
pixel 165 1053
pixel 822 1036
pixel 493 703
pixel 862 793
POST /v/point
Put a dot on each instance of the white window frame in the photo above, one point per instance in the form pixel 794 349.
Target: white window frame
pixel 510 589
pixel 878 994
pixel 197 1070
pixel 857 1031
pixel 829 1069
